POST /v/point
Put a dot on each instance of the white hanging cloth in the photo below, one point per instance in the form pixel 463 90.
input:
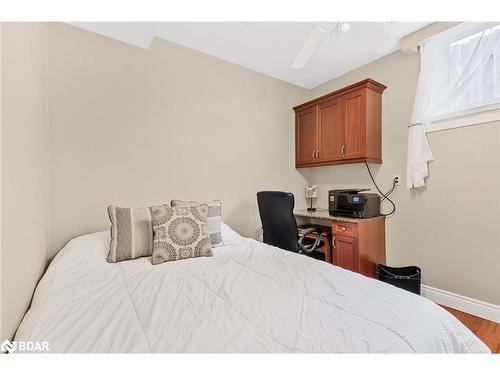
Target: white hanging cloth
pixel 452 69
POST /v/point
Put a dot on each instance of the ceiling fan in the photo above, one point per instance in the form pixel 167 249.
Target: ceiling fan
pixel 374 34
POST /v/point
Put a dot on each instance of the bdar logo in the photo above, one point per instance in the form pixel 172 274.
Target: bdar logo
pixel 8 347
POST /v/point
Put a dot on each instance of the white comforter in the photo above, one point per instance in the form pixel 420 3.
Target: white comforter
pixel 248 297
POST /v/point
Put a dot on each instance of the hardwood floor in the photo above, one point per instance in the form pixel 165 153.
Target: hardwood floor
pixel 487 331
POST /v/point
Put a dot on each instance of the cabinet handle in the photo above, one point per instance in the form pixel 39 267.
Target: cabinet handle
pixel 317 154
pixel 343 150
pixel 313 157
pixel 343 229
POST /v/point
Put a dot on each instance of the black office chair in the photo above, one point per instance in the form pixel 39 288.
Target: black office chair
pixel 279 224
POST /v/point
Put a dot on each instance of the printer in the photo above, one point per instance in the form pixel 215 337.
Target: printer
pixel 353 203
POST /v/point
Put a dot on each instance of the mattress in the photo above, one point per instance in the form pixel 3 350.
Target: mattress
pixel 248 298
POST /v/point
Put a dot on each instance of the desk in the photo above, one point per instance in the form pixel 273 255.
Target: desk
pixel 357 245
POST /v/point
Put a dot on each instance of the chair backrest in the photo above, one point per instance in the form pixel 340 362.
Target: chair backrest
pixel 278 222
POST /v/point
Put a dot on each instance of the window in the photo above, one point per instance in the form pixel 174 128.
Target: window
pixel 459 85
pixel 484 84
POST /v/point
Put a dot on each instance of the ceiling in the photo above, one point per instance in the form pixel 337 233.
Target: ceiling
pixel 266 47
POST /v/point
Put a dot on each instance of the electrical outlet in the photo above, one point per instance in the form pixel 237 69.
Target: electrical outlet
pixel 397 179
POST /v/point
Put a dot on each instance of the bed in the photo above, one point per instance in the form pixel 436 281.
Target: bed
pixel 249 297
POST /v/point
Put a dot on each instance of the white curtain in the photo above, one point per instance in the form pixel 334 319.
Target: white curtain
pixel 459 70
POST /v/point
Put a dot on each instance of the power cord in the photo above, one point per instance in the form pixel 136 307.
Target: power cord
pixel 386 195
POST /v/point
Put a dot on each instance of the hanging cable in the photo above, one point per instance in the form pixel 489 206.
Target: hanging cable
pixel 388 193
pixel 384 195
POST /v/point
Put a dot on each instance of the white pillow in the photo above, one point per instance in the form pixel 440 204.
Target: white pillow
pixel 229 235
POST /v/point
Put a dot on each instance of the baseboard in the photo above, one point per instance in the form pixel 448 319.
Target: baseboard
pixel 471 306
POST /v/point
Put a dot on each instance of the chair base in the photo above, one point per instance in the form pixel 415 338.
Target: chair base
pixel 326 251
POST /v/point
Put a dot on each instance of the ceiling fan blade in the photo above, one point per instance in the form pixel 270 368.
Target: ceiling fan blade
pixel 320 32
pixel 375 35
pixel 306 51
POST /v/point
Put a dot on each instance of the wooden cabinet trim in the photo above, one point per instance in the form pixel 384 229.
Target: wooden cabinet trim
pixel 365 84
pixel 373 124
pixel 338 162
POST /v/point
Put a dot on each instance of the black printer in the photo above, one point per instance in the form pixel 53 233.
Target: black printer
pixel 353 203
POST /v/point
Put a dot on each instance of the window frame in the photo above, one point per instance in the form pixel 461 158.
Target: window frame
pixel 484 113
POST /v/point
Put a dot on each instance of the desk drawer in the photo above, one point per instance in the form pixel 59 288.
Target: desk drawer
pixel 345 229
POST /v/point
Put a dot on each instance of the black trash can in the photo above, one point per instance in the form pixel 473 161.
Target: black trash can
pixel 408 278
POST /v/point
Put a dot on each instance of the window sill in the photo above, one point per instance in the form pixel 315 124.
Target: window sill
pixel 475 116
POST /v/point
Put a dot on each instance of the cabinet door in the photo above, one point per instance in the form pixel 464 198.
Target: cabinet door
pixel 345 253
pixel 330 130
pixel 355 121
pixel 306 136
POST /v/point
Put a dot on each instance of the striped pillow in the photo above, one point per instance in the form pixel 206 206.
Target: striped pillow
pixel 131 233
pixel 214 218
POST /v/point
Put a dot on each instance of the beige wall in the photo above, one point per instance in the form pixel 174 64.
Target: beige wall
pixel 451 228
pixel 24 156
pixel 137 127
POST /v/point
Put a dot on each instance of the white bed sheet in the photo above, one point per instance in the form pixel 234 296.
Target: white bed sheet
pixel 249 297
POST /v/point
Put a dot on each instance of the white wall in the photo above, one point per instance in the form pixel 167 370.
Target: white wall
pixel 24 169
pixel 451 228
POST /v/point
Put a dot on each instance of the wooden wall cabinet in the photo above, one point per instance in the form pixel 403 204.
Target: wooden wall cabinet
pixel 342 127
